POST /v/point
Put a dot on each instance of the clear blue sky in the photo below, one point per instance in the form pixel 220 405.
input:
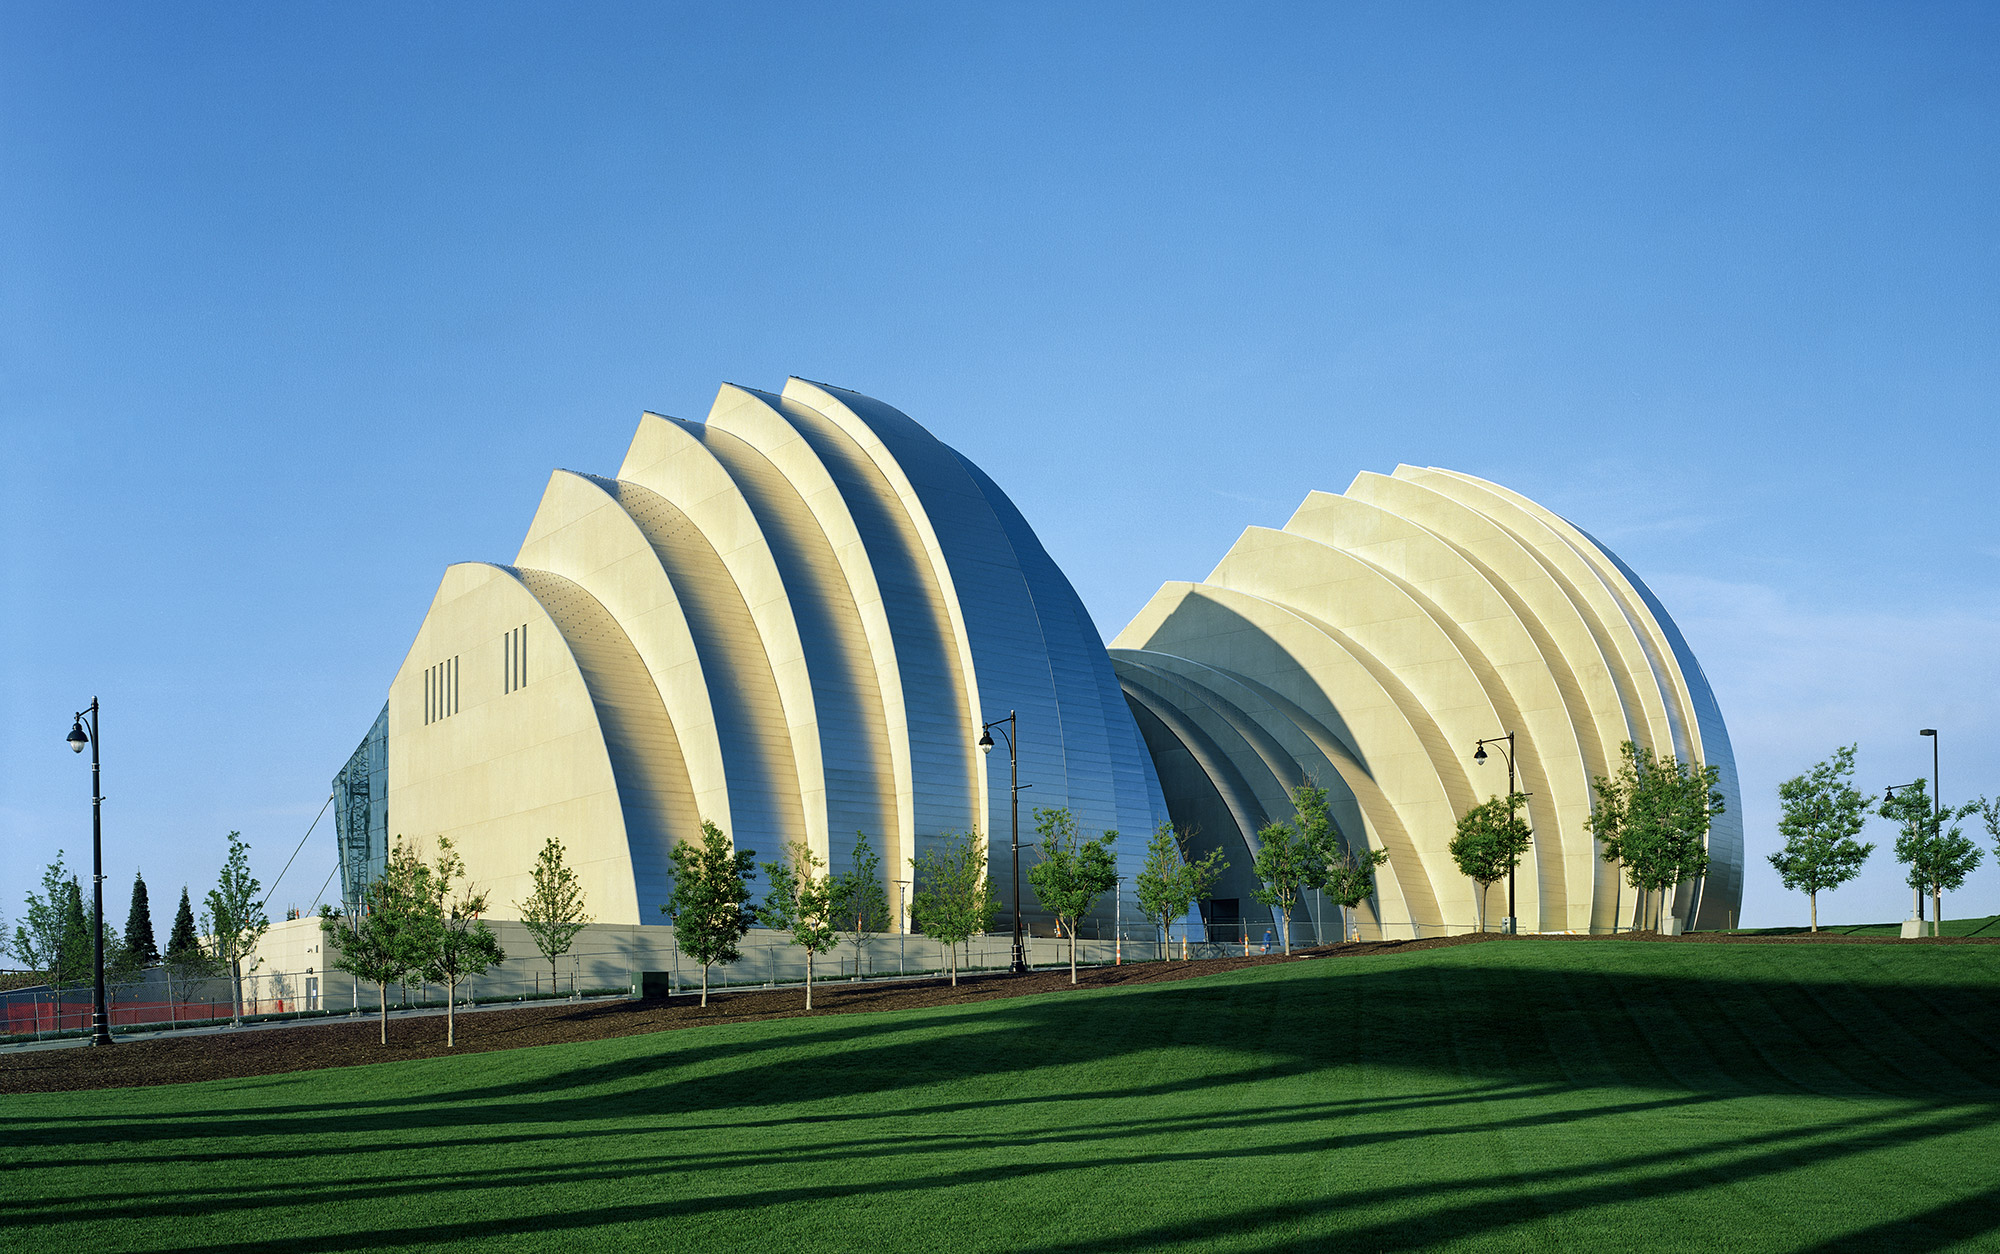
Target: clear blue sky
pixel 300 303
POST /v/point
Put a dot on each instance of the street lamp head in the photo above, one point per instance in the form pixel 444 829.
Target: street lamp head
pixel 78 738
pixel 1928 731
pixel 986 740
pixel 1479 758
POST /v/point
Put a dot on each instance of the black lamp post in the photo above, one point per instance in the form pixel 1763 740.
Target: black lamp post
pixel 1888 795
pixel 1479 759
pixel 1014 793
pixel 100 1020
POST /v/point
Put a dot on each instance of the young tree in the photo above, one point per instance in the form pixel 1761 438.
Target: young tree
pixel 860 903
pixel 1821 816
pixel 708 907
pixel 391 935
pixel 1939 859
pixel 1285 866
pixel 1989 813
pixel 802 903
pixel 1489 842
pixel 1169 885
pixel 461 945
pixel 954 899
pixel 235 918
pixel 38 937
pixel 553 912
pixel 1653 816
pixel 139 938
pixel 1350 880
pixel 1073 872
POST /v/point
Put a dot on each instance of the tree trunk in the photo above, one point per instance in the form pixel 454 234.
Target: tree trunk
pixel 450 1008
pixel 704 985
pixel 809 979
pixel 383 985
pixel 1072 950
pixel 1480 899
pixel 1813 897
pixel 951 961
pixel 1937 909
pixel 1285 931
pixel 236 992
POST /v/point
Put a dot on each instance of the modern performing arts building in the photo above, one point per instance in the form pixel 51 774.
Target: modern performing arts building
pixel 793 619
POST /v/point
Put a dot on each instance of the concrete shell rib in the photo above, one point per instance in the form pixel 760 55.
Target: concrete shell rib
pixel 1394 626
pixel 788 620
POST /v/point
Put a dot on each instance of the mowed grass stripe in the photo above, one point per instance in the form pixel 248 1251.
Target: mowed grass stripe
pixel 1526 1095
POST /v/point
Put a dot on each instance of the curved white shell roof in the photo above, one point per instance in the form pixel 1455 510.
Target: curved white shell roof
pixel 1371 643
pixel 790 620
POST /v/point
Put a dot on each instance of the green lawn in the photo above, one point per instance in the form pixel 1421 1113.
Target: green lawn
pixel 1524 1095
pixel 1988 926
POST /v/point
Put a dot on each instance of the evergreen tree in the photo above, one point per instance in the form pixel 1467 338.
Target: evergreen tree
pixel 183 942
pixel 78 953
pixel 140 946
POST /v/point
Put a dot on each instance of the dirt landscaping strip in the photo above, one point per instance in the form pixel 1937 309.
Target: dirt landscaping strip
pixel 354 1042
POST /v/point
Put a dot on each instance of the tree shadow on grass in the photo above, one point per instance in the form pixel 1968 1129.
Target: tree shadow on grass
pixel 1565 1039
pixel 1372 1216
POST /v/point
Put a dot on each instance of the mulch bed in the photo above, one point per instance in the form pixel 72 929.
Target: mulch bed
pixel 354 1042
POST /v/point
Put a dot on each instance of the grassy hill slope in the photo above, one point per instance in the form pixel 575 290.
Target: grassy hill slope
pixel 1529 1095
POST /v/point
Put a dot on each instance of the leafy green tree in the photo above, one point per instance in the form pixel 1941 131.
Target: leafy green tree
pixel 1489 842
pixel 708 906
pixel 139 938
pixel 1652 818
pixel 1168 885
pixel 1821 814
pixel 860 903
pixel 554 912
pixel 1989 813
pixel 461 945
pixel 38 937
pixel 802 902
pixel 1350 880
pixel 1072 873
pixel 953 899
pixel 391 936
pixel 236 919
pixel 1285 866
pixel 1939 859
